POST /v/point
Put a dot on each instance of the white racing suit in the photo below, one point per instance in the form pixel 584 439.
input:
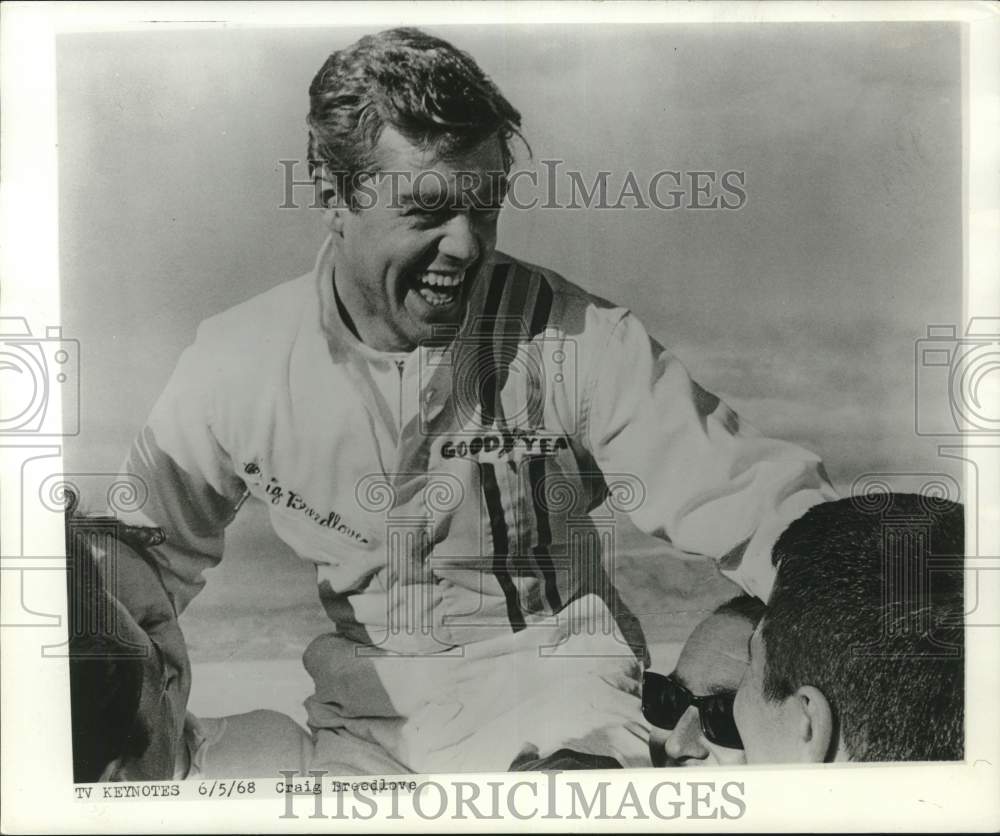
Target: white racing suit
pixel 456 502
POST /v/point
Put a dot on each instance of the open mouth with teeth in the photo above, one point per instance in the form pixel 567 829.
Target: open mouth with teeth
pixel 439 290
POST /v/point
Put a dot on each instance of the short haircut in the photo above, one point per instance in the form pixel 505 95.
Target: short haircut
pixel 868 608
pixel 435 95
pixel 743 606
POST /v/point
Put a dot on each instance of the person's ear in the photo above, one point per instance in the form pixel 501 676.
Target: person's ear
pixel 333 210
pixel 814 724
pixel 334 216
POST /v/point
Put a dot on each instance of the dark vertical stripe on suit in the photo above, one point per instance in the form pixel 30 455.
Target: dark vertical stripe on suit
pixel 543 308
pixel 485 356
pixel 541 311
pixel 543 557
pixel 489 393
pixel 510 332
pixel 501 545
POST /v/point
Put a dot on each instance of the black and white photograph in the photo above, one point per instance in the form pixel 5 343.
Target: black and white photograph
pixel 568 399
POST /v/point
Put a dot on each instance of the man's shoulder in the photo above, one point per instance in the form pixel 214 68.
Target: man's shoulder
pixel 565 305
pixel 264 319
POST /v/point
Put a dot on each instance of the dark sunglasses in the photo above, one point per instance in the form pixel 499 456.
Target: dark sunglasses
pixel 664 701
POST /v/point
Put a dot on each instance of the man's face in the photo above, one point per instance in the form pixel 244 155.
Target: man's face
pixel 764 724
pixel 713 661
pixel 408 263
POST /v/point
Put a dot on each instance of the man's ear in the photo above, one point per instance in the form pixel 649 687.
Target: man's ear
pixel 333 209
pixel 814 724
pixel 334 216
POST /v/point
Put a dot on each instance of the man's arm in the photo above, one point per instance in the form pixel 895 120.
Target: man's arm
pixel 190 493
pixel 713 484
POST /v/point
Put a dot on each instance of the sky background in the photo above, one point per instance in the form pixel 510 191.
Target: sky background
pixel 802 309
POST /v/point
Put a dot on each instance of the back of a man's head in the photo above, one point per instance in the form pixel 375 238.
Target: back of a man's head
pixel 433 94
pixel 868 608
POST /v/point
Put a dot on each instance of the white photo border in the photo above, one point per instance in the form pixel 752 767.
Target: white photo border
pixel 36 773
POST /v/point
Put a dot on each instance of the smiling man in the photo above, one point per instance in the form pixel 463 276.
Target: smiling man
pixel 430 422
pixel 404 265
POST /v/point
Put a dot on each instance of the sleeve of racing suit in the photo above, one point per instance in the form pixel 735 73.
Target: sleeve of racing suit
pixel 188 489
pixel 711 483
